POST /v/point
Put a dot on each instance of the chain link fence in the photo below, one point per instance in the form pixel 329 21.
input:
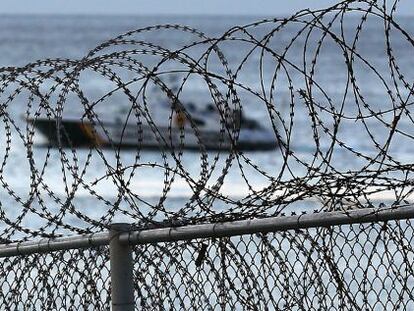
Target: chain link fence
pixel 64 280
pixel 357 267
pixel 364 266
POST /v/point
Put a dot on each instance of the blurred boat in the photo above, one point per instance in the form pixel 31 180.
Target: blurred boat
pixel 191 130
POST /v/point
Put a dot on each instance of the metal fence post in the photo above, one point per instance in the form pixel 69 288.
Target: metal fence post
pixel 122 283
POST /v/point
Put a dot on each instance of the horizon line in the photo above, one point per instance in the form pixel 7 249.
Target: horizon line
pixel 128 14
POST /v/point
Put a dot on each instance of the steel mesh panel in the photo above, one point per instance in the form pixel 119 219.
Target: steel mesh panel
pixel 64 280
pixel 350 267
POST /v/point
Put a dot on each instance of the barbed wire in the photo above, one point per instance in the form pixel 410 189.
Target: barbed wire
pixel 170 134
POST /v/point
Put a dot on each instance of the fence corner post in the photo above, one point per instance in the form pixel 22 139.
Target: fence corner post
pixel 122 282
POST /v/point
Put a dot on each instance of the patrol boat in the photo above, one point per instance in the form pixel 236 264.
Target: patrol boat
pixel 194 129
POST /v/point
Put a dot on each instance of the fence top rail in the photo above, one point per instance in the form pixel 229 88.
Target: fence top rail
pixel 47 245
pixel 214 230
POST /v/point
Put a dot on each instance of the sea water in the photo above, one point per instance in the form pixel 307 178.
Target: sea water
pixel 25 39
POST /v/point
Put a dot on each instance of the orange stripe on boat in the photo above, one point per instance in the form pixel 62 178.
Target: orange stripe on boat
pixel 93 136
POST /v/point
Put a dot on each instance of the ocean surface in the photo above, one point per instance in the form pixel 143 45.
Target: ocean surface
pixel 25 39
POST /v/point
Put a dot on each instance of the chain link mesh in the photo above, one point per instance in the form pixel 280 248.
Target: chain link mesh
pixel 64 280
pixel 349 267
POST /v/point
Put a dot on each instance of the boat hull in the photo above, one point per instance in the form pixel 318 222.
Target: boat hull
pixel 75 133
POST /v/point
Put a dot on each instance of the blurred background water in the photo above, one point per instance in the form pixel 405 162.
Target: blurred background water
pixel 26 38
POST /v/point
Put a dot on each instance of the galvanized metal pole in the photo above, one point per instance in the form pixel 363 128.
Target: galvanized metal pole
pixel 122 282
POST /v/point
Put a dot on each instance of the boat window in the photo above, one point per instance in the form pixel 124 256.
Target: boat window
pixel 198 122
pixel 191 107
pixel 210 108
pixel 250 124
